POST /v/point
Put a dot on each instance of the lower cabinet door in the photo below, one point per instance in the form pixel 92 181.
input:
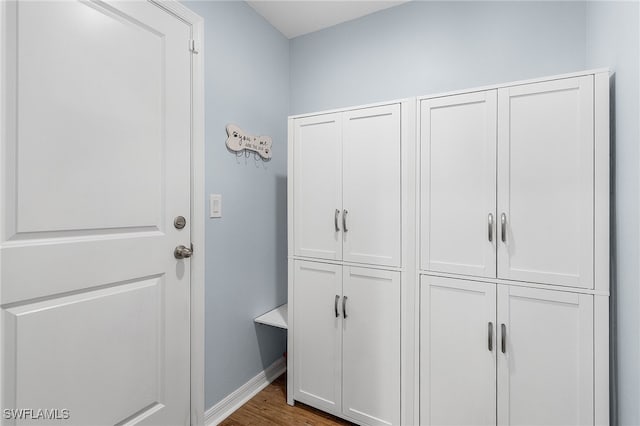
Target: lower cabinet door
pixel 317 335
pixel 545 365
pixel 371 346
pixel 458 344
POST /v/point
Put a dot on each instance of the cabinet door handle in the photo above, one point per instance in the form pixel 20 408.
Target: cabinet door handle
pixel 503 343
pixel 503 222
pixel 490 331
pixel 335 306
pixel 490 227
pixel 335 220
pixel 344 220
pixel 344 307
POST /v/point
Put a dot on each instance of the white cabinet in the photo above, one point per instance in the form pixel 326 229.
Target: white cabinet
pixel 537 217
pixel 533 347
pixel 347 186
pixel 371 185
pixel 514 229
pixel 351 207
pixel 458 184
pixel 347 341
pixel 317 183
pixel 500 203
pixel 317 335
pixel 457 352
pixel 545 367
pixel 371 346
pixel 546 182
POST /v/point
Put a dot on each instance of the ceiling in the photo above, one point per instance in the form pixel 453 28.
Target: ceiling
pixel 295 18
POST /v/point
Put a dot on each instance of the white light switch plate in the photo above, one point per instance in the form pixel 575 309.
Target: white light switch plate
pixel 215 205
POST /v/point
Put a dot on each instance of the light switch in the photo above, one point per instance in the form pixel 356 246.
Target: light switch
pixel 215 205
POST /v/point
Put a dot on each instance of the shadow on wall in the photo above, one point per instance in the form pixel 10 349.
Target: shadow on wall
pixel 269 336
pixel 281 246
pixel 613 303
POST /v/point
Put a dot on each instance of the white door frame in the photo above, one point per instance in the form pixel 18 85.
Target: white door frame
pixel 197 195
pixel 196 23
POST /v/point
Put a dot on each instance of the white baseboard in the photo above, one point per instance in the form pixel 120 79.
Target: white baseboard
pixel 244 393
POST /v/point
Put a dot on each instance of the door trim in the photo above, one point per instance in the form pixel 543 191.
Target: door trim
pixel 196 23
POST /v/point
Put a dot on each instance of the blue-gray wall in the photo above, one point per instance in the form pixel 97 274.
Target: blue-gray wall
pixel 613 41
pixel 246 83
pixel 427 47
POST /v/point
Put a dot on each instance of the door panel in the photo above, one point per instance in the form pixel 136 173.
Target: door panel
pixel 372 185
pixel 545 375
pixel 371 339
pixel 545 182
pixel 458 184
pixel 317 335
pixel 126 347
pixel 317 186
pixel 458 344
pixel 96 165
pixel 57 83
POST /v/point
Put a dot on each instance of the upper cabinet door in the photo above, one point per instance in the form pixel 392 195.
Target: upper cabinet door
pixel 317 197
pixel 545 182
pixel 458 184
pixel 545 357
pixel 372 185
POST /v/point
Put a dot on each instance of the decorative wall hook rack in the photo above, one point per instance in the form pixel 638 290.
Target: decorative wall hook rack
pixel 238 141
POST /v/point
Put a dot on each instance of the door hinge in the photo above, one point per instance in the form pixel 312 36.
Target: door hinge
pixel 193 47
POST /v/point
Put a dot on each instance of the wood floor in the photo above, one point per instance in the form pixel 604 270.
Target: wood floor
pixel 269 407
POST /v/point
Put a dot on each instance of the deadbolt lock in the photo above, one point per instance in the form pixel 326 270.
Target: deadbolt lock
pixel 179 222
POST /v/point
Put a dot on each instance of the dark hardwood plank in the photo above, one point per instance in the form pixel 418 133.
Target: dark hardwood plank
pixel 269 407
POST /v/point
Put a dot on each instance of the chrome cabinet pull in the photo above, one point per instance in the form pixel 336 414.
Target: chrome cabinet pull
pixel 344 220
pixel 503 338
pixel 335 306
pixel 335 220
pixel 490 336
pixel 503 222
pixel 344 307
pixel 490 227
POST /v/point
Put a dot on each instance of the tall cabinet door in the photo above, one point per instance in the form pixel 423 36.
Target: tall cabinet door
pixel 371 185
pixel 317 186
pixel 545 182
pixel 458 344
pixel 317 334
pixel 371 342
pixel 458 184
pixel 545 368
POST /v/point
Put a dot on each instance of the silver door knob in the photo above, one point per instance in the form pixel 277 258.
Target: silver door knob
pixel 182 252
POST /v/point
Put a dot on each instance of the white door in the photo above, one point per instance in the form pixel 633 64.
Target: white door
pixel 545 367
pixel 95 158
pixel 545 182
pixel 458 344
pixel 317 318
pixel 371 346
pixel 317 186
pixel 458 184
pixel 371 185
